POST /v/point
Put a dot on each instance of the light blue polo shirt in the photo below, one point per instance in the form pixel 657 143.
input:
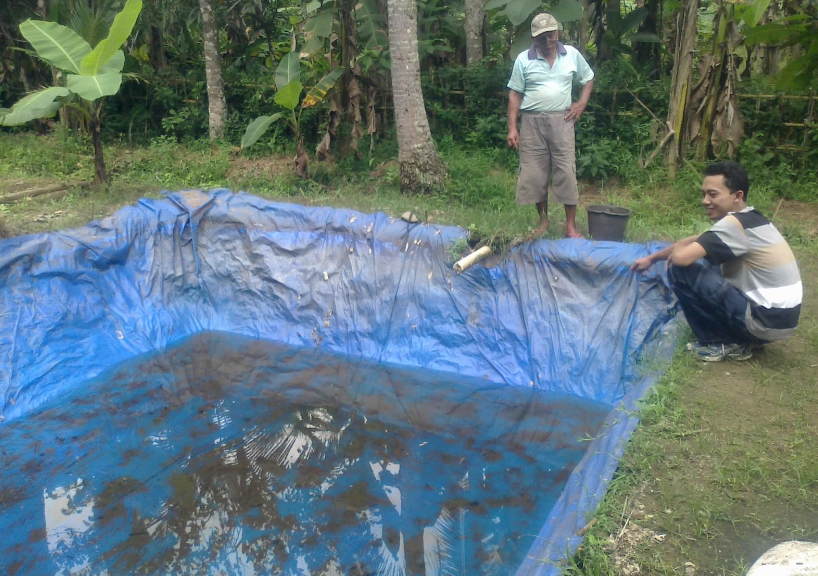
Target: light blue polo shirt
pixel 546 88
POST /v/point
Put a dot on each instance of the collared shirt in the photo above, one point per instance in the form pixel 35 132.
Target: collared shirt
pixel 756 259
pixel 547 88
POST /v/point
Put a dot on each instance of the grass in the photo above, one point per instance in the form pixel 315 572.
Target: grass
pixel 479 194
pixel 724 463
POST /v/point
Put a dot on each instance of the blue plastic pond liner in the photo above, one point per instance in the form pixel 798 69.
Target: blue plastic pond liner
pixel 565 317
pixel 230 449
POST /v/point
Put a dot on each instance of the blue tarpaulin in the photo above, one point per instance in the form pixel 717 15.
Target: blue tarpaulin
pixel 563 317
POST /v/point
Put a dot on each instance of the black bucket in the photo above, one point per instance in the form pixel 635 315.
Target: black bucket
pixel 607 222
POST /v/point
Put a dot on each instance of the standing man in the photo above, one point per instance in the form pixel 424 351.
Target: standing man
pixel 738 283
pixel 540 89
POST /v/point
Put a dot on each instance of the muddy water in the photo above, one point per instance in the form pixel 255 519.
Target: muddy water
pixel 227 455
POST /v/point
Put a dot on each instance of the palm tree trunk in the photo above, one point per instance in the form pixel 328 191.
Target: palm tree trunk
pixel 421 169
pixel 680 83
pixel 213 71
pixel 473 26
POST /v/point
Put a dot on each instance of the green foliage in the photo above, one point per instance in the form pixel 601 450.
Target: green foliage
pixel 754 155
pixel 186 123
pixel 40 104
pixel 288 70
pixel 518 11
pixel 121 28
pixel 288 81
pixel 164 164
pixel 489 130
pixel 64 155
pixel 478 115
pixel 372 26
pixel 289 95
pixel 457 248
pixel 752 13
pixel 93 87
pixel 596 160
pixel 90 20
pixel 92 74
pixel 56 44
pixel 796 30
pixel 625 29
pixel 257 128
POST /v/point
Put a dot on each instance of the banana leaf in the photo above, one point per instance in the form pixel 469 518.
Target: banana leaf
pixel 319 91
pixel 257 128
pixel 93 87
pixel 120 30
pixel 58 45
pixel 41 104
pixel 288 71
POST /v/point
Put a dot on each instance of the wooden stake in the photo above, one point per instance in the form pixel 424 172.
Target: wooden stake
pixel 587 527
pixel 665 140
pixel 31 192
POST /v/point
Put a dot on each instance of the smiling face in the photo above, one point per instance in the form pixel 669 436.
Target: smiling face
pixel 718 199
pixel 546 42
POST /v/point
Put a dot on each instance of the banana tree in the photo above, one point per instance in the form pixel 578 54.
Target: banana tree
pixel 91 74
pixel 797 30
pixel 622 33
pixel 288 96
pixel 519 12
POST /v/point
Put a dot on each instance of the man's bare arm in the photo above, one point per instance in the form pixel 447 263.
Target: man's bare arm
pixel 576 109
pixel 688 254
pixel 514 101
pixel 642 264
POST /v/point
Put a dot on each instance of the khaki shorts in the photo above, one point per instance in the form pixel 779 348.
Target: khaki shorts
pixel 547 148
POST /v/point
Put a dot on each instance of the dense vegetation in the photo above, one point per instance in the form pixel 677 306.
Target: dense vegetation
pixel 756 65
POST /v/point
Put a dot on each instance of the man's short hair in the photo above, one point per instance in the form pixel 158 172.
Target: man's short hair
pixel 735 176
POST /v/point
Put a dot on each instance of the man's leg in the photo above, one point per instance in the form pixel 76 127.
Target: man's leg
pixel 564 169
pixel 714 309
pixel 542 210
pixel 571 221
pixel 535 165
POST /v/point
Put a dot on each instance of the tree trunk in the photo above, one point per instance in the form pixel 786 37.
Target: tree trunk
pixel 604 52
pixel 473 26
pixel 584 27
pixel 100 172
pixel 213 71
pixel 649 53
pixel 421 169
pixel 680 82
pixel 715 117
pixel 156 49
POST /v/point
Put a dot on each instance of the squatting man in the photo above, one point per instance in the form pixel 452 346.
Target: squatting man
pixel 738 283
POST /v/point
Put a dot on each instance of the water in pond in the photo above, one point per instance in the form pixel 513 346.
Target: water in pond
pixel 227 455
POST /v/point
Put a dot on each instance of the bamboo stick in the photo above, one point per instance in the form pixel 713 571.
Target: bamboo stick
pixel 471 259
pixel 53 195
pixel 665 140
pixel 31 192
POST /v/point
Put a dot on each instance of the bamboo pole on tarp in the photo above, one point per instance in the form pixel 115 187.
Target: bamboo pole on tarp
pixel 471 259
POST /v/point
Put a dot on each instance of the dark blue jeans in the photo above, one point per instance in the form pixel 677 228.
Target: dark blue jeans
pixel 715 310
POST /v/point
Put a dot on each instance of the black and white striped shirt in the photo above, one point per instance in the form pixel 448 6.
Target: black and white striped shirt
pixel 756 259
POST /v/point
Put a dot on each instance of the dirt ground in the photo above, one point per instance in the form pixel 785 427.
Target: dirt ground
pixel 739 471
